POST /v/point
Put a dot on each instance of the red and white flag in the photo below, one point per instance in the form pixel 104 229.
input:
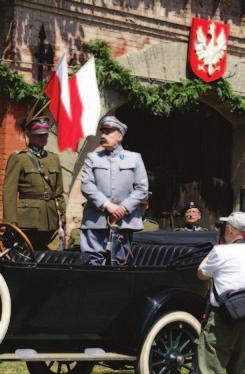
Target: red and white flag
pixel 57 89
pixel 74 104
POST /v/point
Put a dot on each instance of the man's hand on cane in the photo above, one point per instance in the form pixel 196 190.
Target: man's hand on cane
pixel 116 211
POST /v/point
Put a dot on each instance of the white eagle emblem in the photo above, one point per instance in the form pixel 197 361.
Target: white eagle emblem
pixel 210 52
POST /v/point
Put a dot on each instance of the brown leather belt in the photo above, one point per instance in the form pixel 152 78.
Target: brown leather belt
pixel 37 196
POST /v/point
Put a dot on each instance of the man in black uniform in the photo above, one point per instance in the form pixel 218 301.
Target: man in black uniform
pixel 192 217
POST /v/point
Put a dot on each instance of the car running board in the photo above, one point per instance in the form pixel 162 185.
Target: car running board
pixel 90 355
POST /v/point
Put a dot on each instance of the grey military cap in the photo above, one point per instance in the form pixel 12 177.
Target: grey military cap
pixel 113 122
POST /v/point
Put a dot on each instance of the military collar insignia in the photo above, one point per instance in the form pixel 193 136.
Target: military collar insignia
pixel 193 227
pixel 38 151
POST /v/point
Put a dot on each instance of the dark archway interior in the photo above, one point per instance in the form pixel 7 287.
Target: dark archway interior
pixel 187 157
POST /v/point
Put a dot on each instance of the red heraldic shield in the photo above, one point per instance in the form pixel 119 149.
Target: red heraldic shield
pixel 208 49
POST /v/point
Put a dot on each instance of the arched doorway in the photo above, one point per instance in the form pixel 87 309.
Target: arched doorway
pixel 187 156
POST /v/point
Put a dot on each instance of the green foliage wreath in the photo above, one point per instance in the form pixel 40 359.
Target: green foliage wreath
pixel 159 98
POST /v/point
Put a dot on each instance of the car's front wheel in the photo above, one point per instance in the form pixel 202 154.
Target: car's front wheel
pixel 5 307
pixel 60 367
pixel 169 346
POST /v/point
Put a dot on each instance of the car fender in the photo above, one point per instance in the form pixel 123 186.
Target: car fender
pixel 153 306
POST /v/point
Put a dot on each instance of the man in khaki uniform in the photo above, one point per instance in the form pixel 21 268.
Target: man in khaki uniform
pixel 33 189
pixel 74 237
pixel 149 224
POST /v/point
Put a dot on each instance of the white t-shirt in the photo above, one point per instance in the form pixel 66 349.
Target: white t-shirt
pixel 226 265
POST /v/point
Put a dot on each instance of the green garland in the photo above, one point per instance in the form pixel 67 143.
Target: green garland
pixel 14 87
pixel 160 99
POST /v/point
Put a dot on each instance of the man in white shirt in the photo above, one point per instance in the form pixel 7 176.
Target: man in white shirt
pixel 221 343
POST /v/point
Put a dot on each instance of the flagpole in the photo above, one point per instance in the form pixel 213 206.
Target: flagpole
pixel 84 145
pixel 30 114
pixel 42 109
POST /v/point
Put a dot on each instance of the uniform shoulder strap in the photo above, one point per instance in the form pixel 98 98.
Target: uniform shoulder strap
pixel 37 166
pixel 34 162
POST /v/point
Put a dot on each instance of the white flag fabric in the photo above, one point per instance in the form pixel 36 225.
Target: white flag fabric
pixel 84 84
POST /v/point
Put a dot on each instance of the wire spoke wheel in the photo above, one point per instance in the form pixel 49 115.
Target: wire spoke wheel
pixel 173 349
pixel 59 367
pixel 14 243
pixel 170 346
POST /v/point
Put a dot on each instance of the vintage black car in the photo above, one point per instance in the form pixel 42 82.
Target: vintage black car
pixel 65 315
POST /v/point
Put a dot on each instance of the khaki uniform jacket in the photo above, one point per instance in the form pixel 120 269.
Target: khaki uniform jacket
pixel 150 225
pixel 22 176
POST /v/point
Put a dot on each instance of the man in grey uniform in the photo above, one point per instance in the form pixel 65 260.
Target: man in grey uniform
pixel 114 182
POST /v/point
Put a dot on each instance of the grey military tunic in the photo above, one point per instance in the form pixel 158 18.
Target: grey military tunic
pixel 119 177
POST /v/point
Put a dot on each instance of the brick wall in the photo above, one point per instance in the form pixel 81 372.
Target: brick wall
pixel 127 25
pixel 10 137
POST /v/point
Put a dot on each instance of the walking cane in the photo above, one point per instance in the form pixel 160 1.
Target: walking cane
pixel 61 233
pixel 113 237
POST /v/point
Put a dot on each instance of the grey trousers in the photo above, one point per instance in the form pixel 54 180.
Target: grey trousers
pixel 100 247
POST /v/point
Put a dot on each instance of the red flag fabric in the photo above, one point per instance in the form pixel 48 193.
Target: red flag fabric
pixel 57 89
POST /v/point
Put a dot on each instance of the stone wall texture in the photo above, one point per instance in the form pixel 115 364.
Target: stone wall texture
pixel 41 30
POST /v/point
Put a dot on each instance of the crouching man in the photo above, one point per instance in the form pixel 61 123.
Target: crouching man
pixel 222 343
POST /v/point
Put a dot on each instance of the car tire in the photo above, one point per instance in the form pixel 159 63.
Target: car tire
pixel 6 308
pixel 64 367
pixel 170 343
